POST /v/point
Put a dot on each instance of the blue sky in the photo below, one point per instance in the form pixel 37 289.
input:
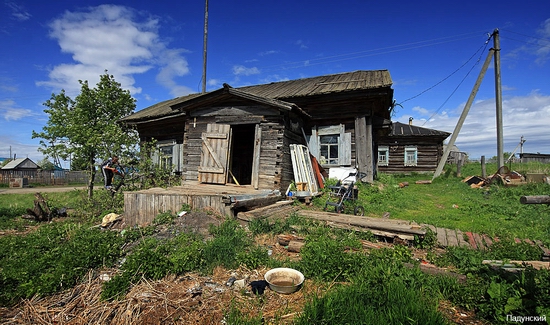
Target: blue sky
pixel 433 50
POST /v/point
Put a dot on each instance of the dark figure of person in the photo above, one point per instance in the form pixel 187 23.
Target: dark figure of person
pixel 109 170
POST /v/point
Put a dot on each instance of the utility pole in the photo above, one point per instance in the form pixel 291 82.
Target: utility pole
pixel 204 47
pixel 498 99
pixel 463 115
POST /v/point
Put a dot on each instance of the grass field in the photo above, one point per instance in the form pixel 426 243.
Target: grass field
pixel 368 287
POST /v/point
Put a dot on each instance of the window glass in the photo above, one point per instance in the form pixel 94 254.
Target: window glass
pixel 410 156
pixel 383 156
pixel 328 149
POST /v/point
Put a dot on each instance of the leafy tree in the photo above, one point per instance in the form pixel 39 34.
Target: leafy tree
pixel 45 164
pixel 87 127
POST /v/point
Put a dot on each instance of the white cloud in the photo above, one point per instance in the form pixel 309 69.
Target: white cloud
pixel 544 44
pixel 18 12
pixel 527 116
pixel 10 112
pixel 240 70
pixel 113 38
pixel 301 44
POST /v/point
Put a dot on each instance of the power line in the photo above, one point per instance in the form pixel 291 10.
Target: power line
pixel 458 86
pixel 450 75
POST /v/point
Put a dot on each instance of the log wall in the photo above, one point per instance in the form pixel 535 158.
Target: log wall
pixel 428 156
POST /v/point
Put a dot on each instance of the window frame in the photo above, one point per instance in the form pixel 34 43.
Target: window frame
pixel 383 151
pixel 344 144
pixel 408 161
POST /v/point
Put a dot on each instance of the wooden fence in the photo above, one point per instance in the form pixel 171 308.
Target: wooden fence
pixel 46 177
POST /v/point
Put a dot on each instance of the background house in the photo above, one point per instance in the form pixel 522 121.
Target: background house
pixel 242 135
pixel 409 148
pixel 20 167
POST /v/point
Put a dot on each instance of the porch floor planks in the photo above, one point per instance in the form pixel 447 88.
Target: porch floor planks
pixel 442 236
pixel 460 238
pixel 451 237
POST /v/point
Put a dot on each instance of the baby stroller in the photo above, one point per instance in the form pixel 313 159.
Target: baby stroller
pixel 343 192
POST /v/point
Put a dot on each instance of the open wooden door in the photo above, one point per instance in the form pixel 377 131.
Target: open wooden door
pixel 214 154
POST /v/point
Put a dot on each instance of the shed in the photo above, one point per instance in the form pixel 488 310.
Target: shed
pixel 410 148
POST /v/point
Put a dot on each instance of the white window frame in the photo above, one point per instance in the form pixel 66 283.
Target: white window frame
pixel 383 155
pixel 343 143
pixel 411 156
pixel 167 161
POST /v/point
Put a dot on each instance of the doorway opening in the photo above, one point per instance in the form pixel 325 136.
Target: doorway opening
pixel 242 154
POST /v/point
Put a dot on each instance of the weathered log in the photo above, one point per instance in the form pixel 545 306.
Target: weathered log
pixel 371 223
pixel 281 208
pixel 295 246
pixel 41 211
pixel 535 199
pixel 284 240
pixel 423 182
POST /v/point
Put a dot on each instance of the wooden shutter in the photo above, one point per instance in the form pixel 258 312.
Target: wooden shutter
pixel 214 154
pixel 344 147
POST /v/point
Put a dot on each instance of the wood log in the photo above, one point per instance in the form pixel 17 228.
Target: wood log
pixel 295 246
pixel 41 211
pixel 371 223
pixel 284 240
pixel 535 199
pixel 276 209
pixel 513 264
pixel 423 182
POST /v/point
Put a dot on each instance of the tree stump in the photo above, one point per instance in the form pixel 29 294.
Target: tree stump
pixel 41 211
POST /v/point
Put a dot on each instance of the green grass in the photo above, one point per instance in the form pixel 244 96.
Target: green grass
pixel 448 202
pixel 366 288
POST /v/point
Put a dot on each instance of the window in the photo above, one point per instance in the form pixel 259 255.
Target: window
pixel 410 156
pixel 328 149
pixel 331 145
pixel 383 156
pixel 166 156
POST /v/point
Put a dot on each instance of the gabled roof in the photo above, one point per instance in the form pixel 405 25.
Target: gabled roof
pixel 228 91
pixel 21 163
pixel 401 129
pixel 282 91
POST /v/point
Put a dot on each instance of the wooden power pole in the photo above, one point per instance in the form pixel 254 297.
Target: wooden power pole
pixel 495 51
pixel 463 115
pixel 204 47
pixel 498 99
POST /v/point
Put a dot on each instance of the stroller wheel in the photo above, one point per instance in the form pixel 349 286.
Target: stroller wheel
pixel 359 210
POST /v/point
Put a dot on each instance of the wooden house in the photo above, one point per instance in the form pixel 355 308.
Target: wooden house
pixel 20 167
pixel 538 157
pixel 242 136
pixel 409 148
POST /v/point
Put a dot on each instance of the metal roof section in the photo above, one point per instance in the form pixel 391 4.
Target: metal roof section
pixel 402 129
pixel 21 163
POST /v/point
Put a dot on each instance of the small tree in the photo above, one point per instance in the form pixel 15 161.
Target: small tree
pixel 87 127
pixel 45 164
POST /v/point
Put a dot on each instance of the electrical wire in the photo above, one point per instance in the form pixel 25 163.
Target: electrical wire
pixel 450 75
pixel 458 86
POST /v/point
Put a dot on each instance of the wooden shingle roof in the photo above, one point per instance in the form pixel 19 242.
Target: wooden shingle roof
pixel 282 90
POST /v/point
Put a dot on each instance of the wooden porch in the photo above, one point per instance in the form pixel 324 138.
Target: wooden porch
pixel 141 207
